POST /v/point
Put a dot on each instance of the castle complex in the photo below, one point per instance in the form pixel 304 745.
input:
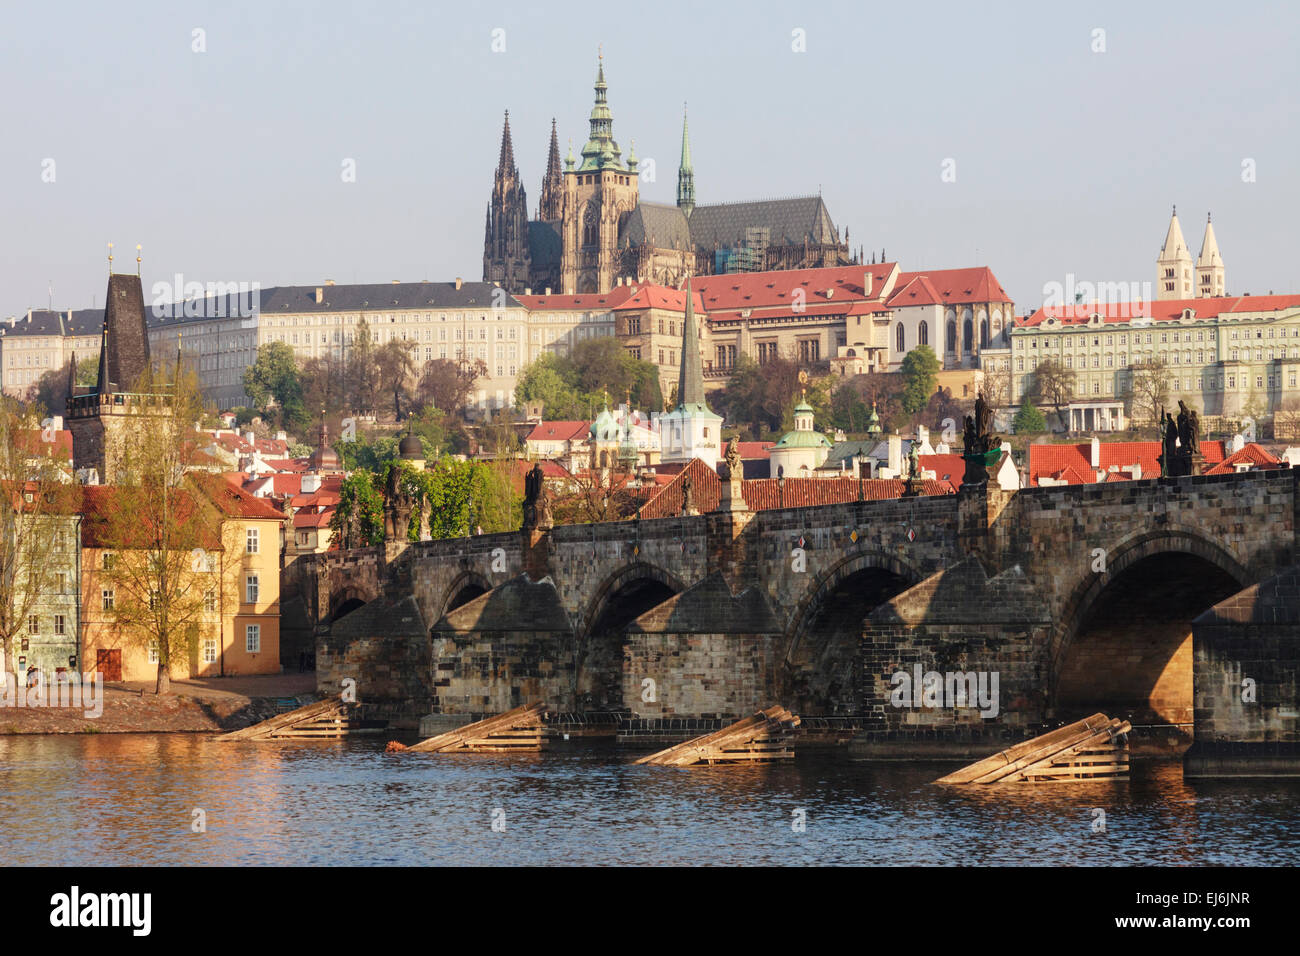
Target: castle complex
pixel 593 232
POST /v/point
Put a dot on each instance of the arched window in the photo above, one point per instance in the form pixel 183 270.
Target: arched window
pixel 984 333
pixel 900 345
pixel 967 334
pixel 952 335
pixel 923 334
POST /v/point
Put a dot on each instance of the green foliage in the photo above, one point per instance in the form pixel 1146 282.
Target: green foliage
pixel 920 370
pixel 359 497
pixel 369 453
pixel 274 377
pixel 598 370
pixel 1029 420
pixel 460 497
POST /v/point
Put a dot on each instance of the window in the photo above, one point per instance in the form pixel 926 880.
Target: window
pixel 209 650
pixel 253 638
pixel 107 561
pixel 209 600
pixel 33 624
pixel 250 589
pixel 900 339
pixel 107 596
pixel 923 334
pixel 59 624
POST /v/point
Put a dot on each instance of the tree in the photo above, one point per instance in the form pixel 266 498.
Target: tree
pixel 162 535
pixel 50 391
pixel 545 381
pixel 1029 420
pixel 395 365
pixel 273 380
pixel 447 384
pixel 360 372
pixel 1148 390
pixel 997 382
pixel 1053 384
pixel 358 520
pixel 37 532
pixel 920 371
pixel 598 371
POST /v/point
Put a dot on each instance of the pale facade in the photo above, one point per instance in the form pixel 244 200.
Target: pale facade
pixel 1233 356
pixel 42 341
pixel 1178 276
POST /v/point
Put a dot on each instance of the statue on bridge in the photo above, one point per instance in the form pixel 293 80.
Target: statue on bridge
pixel 1189 426
pixel 980 448
pixel 398 505
pixel 537 504
pixel 688 495
pixel 1180 442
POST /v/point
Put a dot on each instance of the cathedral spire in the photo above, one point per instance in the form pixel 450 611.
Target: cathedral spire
pixel 685 172
pixel 1174 264
pixel 550 205
pixel 1210 279
pixel 506 163
pixel 601 152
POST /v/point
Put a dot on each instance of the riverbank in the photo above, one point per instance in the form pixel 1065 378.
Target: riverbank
pixel 207 705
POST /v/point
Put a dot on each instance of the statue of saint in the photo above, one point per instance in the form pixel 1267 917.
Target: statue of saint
pixel 734 470
pixel 688 494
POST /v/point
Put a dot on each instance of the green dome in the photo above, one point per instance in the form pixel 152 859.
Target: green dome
pixel 604 428
pixel 798 439
pixel 803 407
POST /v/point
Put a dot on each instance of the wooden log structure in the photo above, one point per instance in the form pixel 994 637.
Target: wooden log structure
pixel 1095 748
pixel 321 719
pixel 763 736
pixel 516 731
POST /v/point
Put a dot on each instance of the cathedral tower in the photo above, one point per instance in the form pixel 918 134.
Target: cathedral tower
pixel 1174 265
pixel 1209 267
pixel 598 195
pixel 685 173
pixel 551 205
pixel 505 240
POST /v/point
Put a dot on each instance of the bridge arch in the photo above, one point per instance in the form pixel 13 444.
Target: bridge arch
pixel 623 596
pixel 464 588
pixel 817 667
pixel 347 600
pixel 1124 643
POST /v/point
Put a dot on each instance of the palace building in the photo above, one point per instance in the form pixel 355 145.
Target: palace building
pixel 593 232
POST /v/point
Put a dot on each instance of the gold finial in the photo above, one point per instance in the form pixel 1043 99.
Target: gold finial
pixel 137 258
pixel 600 51
pixel 110 258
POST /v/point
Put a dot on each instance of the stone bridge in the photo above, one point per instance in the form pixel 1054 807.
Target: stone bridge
pixel 1077 598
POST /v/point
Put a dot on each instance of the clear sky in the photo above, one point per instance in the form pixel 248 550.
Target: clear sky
pixel 227 164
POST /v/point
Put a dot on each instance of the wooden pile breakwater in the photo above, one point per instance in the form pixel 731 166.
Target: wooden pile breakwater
pixel 1095 748
pixel 521 730
pixel 321 719
pixel 764 736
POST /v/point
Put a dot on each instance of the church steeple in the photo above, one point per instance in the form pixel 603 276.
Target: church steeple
pixel 685 172
pixel 552 199
pixel 601 152
pixel 1174 265
pixel 505 243
pixel 690 379
pixel 1209 267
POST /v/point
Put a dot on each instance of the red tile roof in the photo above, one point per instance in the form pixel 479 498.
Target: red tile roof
pixel 102 503
pixel 765 493
pixel 1161 310
pixel 749 290
pixel 1074 461
pixel 660 297
pixel 951 468
pixel 559 431
pixel 56 443
pixel 755 449
pixel 576 303
pixel 977 284
pixel 234 500
pixel 1252 455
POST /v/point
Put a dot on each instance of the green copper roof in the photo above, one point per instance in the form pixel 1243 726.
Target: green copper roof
pixel 803 407
pixel 685 173
pixel 690 378
pixel 601 152
pixel 803 439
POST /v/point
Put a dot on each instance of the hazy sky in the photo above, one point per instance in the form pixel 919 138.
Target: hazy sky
pixel 226 164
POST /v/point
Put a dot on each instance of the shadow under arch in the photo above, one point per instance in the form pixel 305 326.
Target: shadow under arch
pixel 1124 643
pixel 464 588
pixel 818 663
pixel 623 596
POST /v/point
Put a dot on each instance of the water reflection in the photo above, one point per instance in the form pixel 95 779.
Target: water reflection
pixel 130 799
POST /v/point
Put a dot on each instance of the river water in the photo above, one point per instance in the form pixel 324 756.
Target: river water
pixel 131 799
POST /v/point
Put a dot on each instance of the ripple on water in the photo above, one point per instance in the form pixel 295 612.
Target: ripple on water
pixel 130 798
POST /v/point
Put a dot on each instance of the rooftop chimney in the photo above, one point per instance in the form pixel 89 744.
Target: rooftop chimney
pixel 329 281
pixel 866 283
pixel 548 290
pixel 459 282
pixel 1096 452
pixel 320 295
